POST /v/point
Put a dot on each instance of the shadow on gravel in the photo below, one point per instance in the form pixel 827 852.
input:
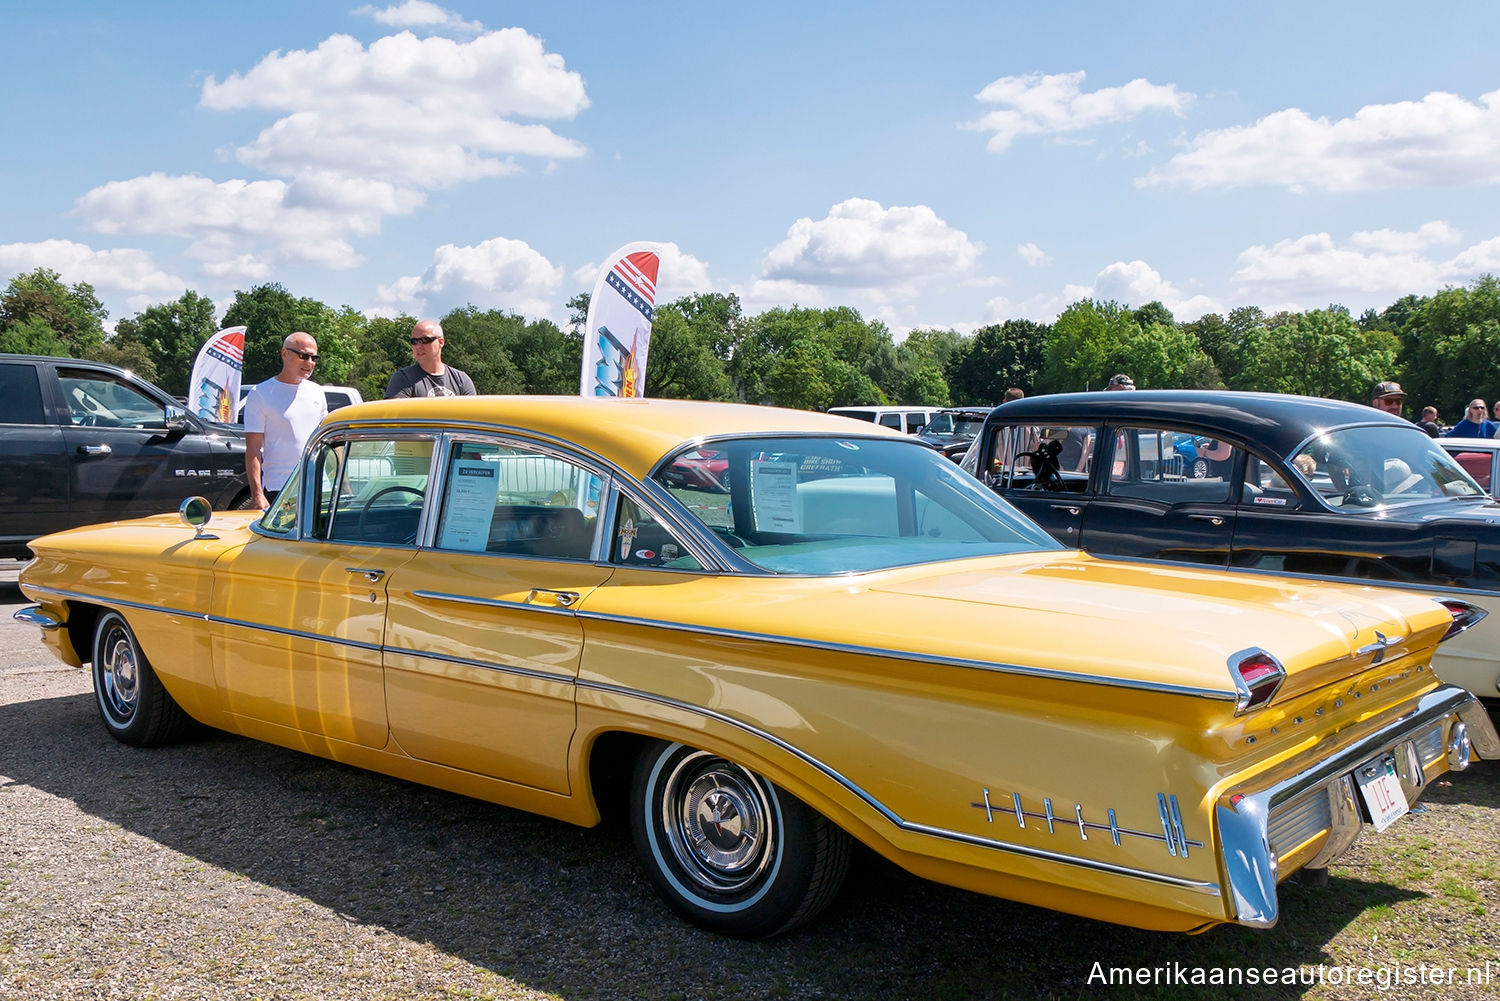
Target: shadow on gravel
pixel 540 901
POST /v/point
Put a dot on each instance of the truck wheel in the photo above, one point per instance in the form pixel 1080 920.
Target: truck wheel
pixel 726 849
pixel 135 707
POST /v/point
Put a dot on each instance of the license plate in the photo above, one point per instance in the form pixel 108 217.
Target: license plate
pixel 1381 789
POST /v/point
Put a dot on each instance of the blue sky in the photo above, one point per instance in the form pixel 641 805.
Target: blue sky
pixel 932 168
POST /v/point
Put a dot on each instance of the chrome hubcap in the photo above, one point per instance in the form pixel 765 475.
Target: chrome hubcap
pixel 121 674
pixel 717 821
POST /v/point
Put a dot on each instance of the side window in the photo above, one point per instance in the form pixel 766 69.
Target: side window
pixel 915 423
pixel 20 395
pixel 640 539
pixel 1265 487
pixel 518 502
pixel 1170 467
pixel 1054 458
pixel 372 490
pixel 891 421
pixel 98 399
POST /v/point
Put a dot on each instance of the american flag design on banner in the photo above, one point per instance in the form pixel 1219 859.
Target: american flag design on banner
pixel 618 331
pixel 214 387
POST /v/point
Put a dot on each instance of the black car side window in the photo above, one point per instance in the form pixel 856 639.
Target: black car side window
pixel 1170 467
pixel 1265 487
pixel 98 399
pixel 20 395
pixel 1052 458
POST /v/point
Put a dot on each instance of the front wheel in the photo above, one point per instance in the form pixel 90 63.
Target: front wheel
pixel 728 850
pixel 135 707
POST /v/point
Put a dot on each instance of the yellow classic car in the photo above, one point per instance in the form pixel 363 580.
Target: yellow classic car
pixel 768 634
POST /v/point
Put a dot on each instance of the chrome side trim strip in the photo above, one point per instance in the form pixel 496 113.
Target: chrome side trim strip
pixel 484 665
pixel 34 616
pixel 513 606
pixel 113 602
pixel 261 627
pixel 1026 851
pixel 1218 694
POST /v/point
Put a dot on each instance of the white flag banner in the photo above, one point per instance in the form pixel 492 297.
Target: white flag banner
pixel 214 387
pixel 618 332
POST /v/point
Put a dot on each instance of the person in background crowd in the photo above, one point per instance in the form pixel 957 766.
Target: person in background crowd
pixel 1476 423
pixel 1119 382
pixel 428 376
pixel 1430 422
pixel 1497 412
pixel 1013 393
pixel 1388 396
pixel 280 415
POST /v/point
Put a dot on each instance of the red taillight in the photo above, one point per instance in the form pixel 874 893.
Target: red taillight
pixel 1257 677
pixel 1464 615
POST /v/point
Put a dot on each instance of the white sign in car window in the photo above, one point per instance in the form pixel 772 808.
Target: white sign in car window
pixel 773 497
pixel 473 486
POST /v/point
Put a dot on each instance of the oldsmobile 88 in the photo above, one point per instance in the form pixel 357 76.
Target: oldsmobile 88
pixel 523 600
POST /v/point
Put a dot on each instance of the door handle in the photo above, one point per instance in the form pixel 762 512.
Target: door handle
pixel 566 599
pixel 370 575
pixel 94 450
pixel 1212 519
pixel 1070 508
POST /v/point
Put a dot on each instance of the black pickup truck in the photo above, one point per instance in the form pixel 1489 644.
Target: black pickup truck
pixel 83 442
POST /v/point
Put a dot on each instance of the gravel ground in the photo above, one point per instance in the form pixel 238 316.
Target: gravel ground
pixel 227 869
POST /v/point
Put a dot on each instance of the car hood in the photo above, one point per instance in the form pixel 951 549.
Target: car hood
pixel 1145 624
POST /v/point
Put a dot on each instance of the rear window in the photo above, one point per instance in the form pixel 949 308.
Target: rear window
pixel 20 395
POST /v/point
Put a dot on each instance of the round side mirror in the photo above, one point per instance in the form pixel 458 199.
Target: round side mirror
pixel 195 512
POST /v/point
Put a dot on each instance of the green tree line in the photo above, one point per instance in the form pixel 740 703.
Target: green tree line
pixel 1444 348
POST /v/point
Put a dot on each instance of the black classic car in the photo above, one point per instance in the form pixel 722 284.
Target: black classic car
pixel 84 442
pixel 1261 482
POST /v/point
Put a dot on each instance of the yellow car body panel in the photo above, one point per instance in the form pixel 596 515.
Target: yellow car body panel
pixel 1040 724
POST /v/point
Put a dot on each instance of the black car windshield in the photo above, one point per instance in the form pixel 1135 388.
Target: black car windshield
pixel 955 426
pixel 818 505
pixel 1360 468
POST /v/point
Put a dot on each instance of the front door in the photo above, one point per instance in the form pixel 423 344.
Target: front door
pixel 299 620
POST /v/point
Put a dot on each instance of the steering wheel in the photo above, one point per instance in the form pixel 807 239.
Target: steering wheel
pixel 1044 466
pixel 393 488
pixel 1361 495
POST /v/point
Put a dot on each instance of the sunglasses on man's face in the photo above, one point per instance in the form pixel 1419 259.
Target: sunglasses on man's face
pixel 422 340
pixel 304 355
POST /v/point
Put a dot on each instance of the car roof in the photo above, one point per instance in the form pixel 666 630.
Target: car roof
pixel 1277 421
pixel 633 433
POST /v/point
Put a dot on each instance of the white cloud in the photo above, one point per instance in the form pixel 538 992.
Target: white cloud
pixel 1135 283
pixel 1316 269
pixel 760 294
pixel 496 274
pixel 131 273
pixel 861 244
pixel 415 112
pixel 241 229
pixel 1049 105
pixel 420 14
pixel 1440 141
pixel 1033 255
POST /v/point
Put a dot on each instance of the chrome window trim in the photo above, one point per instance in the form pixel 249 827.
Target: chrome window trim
pixel 896 819
pixel 1323 501
pixel 461 599
pixel 1223 695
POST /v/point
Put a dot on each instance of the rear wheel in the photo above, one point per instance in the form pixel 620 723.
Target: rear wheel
pixel 136 709
pixel 728 850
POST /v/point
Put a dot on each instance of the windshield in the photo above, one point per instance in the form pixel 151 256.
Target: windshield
pixel 956 426
pixel 1361 468
pixel 817 505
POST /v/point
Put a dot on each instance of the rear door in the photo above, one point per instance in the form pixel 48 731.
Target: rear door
pixel 33 464
pixel 1154 506
pixel 1046 472
pixel 483 642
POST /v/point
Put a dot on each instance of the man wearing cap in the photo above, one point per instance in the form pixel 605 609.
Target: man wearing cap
pixel 1388 396
pixel 1119 382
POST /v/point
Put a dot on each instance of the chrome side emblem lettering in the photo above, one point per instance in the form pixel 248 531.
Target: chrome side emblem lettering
pixel 1172 833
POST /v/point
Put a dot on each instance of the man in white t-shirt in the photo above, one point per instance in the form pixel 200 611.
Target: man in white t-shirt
pixel 280 415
